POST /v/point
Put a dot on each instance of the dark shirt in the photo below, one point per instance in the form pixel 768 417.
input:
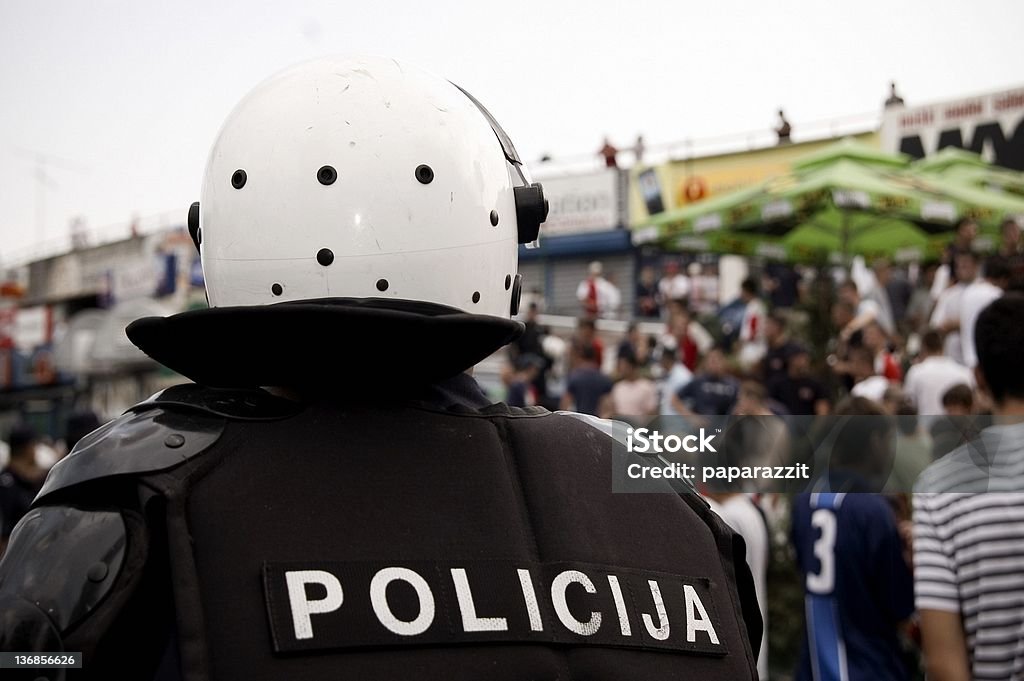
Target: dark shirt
pixel 710 395
pixel 647 300
pixel 16 495
pixel 776 361
pixel 858 586
pixel 587 386
pixel 798 395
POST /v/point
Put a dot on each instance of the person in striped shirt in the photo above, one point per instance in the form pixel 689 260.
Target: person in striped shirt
pixel 969 522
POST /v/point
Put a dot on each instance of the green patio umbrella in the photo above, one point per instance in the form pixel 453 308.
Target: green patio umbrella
pixel 845 200
pixel 971 169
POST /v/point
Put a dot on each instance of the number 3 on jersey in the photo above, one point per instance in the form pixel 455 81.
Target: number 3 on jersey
pixel 823 582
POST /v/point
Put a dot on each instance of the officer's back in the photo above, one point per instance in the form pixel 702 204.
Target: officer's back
pixel 377 520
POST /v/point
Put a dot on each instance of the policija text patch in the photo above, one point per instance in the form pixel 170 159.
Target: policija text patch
pixel 334 605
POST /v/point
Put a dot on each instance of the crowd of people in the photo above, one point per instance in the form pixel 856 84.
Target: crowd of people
pixel 898 372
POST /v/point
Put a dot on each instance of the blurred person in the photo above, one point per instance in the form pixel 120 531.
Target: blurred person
pixel 934 373
pixel 779 347
pixel 522 391
pixel 752 339
pixel 956 424
pixel 223 531
pixel 798 391
pixel 898 290
pixel 866 310
pixel 742 514
pixel 963 242
pixel 764 437
pixel 20 479
pixel 893 100
pixel 633 395
pixel 783 130
pixel 976 297
pixel 884 286
pixel 647 296
pixel 609 153
pixel 919 307
pixel 690 338
pixel 675 375
pixel 638 150
pixel 782 285
pixel 946 314
pixel 635 345
pixel 913 448
pixel 712 392
pixel 587 386
pixel 969 523
pixel 1011 247
pixel 674 285
pixel 866 381
pixel 598 296
pixel 858 585
pixel 531 343
pixel 877 341
pixel 586 337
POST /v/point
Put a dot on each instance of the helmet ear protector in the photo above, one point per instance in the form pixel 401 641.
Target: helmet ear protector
pixel 531 207
pixel 193 225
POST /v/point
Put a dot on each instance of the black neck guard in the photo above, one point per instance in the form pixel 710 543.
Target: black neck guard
pixel 320 344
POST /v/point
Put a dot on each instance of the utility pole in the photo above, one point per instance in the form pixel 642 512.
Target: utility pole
pixel 45 182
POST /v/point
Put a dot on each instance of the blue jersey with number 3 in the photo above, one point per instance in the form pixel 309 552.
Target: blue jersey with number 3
pixel 858 587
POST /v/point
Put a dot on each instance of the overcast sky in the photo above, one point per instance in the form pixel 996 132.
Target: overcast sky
pixel 129 95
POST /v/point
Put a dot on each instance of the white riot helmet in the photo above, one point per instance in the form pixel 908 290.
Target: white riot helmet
pixel 366 180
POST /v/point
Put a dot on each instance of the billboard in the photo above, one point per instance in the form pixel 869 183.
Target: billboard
pixel 587 202
pixel 677 183
pixel 990 124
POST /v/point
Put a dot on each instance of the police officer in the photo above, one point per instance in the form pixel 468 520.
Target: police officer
pixel 366 513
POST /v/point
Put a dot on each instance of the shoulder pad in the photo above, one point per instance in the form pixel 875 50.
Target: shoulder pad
pixel 253 404
pixel 144 441
pixel 619 431
pixel 62 561
pixel 502 409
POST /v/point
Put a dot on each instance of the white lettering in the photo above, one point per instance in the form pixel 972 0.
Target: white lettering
pixel 302 607
pixel 379 600
pixel 558 587
pixel 660 632
pixel 470 621
pixel 693 622
pixel 620 605
pixel 530 596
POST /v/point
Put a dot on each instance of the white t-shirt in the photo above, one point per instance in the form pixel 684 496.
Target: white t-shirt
pixel 635 398
pixel 928 380
pixel 947 308
pixel 609 299
pixel 677 377
pixel 976 297
pixel 739 513
pixel 872 387
pixel 674 288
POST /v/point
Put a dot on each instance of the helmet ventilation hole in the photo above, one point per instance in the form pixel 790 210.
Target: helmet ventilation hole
pixel 327 175
pixel 325 256
pixel 238 179
pixel 494 218
pixel 424 174
pixel 476 296
pixel 277 289
pixel 508 281
pixel 382 285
